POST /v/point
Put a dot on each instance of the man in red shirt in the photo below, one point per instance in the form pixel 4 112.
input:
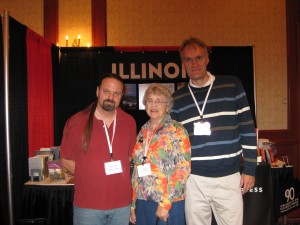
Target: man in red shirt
pixel 96 147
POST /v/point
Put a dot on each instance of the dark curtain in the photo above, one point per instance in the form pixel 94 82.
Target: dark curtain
pixel 55 79
pixel 235 61
pixel 54 203
pixel 285 200
pixel 258 203
pixel 17 120
pixel 18 110
pixel 39 86
pixel 76 85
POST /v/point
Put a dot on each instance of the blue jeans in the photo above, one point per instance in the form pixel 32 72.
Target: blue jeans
pixel 145 213
pixel 119 216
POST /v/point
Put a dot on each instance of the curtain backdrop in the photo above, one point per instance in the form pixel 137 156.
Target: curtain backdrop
pixel 80 68
pixel 77 87
pixel 258 203
pixel 237 61
pixel 55 80
pixel 40 92
pixel 30 108
pixel 17 120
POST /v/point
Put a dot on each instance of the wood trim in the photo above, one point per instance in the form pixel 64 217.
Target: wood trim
pixel 51 20
pixel 293 71
pixel 99 23
pixel 292 16
pixel 287 141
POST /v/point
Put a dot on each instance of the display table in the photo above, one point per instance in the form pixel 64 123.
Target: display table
pixel 263 204
pixel 266 201
pixel 50 200
pixel 283 200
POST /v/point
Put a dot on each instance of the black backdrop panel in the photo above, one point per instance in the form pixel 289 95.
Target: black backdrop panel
pixel 80 69
pixel 18 124
pixel 236 61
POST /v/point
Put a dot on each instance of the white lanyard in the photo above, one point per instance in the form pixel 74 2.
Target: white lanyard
pixel 148 140
pixel 204 103
pixel 113 135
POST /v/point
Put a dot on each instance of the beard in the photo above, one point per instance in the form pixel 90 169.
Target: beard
pixel 109 105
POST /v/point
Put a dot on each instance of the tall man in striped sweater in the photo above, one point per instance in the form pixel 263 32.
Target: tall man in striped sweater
pixel 215 112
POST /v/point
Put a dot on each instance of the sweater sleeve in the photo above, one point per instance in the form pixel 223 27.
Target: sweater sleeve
pixel 247 132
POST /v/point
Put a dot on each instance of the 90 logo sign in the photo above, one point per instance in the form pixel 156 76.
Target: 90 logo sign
pixel 289 194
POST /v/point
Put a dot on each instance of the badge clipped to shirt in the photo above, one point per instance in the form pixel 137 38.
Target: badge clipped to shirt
pixel 113 167
pixel 144 170
pixel 202 128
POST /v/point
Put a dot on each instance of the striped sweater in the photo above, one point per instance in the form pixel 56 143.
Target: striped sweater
pixel 233 138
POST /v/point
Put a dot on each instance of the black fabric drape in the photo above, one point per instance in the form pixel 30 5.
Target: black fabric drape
pixel 283 179
pixel 75 88
pixel 235 61
pixel 55 77
pixel 18 121
pixel 258 203
pixel 18 110
pixel 55 203
pixel 79 67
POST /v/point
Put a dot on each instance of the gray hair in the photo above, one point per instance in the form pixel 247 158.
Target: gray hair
pixel 192 41
pixel 159 89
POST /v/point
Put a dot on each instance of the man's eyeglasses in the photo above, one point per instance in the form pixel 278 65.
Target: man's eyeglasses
pixel 156 102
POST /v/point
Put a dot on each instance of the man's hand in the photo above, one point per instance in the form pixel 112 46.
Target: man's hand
pixel 132 216
pixel 247 182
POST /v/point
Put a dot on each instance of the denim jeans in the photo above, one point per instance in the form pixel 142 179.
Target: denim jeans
pixel 145 213
pixel 118 216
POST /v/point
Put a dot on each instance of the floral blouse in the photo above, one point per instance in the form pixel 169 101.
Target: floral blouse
pixel 169 154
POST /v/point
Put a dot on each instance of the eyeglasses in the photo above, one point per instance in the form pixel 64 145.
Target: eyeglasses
pixel 109 93
pixel 156 102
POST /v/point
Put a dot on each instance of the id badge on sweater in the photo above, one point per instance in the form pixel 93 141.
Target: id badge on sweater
pixel 113 167
pixel 144 170
pixel 202 128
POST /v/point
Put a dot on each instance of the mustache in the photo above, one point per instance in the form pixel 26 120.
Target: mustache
pixel 109 100
pixel 109 105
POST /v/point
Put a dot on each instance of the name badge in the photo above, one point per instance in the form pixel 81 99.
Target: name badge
pixel 202 128
pixel 144 170
pixel 113 167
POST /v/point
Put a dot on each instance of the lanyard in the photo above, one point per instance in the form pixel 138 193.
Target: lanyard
pixel 107 136
pixel 204 103
pixel 147 144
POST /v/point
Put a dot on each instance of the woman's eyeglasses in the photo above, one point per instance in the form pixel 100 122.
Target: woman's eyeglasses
pixel 156 102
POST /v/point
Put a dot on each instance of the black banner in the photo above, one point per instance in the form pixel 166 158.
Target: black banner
pixel 80 68
pixel 289 197
pixel 258 202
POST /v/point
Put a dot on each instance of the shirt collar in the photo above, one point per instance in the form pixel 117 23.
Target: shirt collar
pixel 211 78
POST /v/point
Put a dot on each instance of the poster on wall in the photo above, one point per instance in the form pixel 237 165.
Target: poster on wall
pixel 130 97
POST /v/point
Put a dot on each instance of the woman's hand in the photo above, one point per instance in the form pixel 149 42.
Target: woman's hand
pixel 162 213
pixel 132 216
